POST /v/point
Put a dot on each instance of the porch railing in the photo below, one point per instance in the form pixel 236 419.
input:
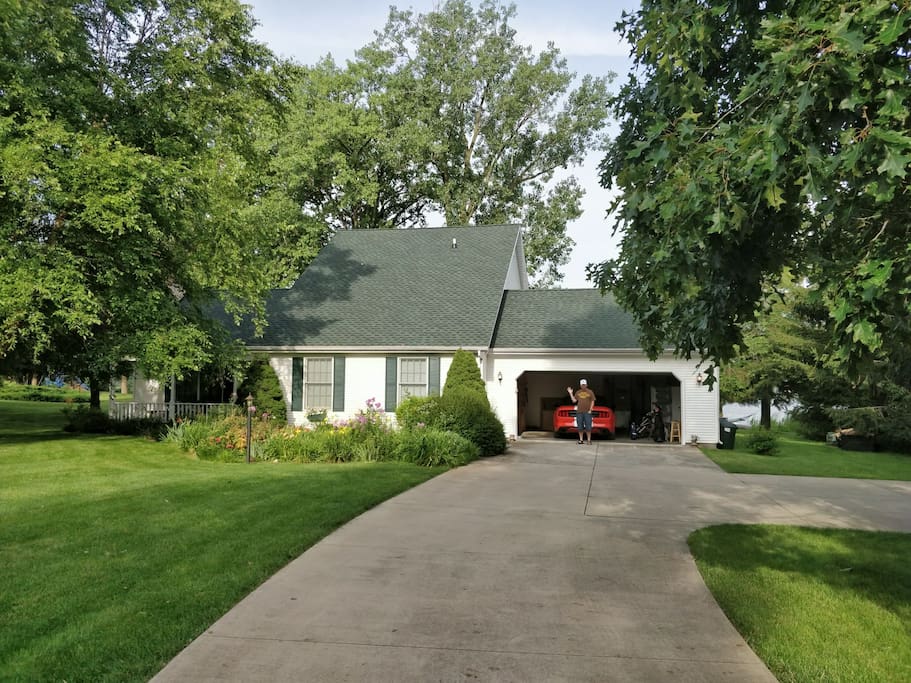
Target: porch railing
pixel 159 411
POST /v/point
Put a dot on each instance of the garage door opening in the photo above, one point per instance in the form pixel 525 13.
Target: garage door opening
pixel 629 395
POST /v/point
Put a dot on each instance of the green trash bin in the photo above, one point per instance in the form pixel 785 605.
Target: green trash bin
pixel 728 434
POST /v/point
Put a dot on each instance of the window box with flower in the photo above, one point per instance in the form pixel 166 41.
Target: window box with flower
pixel 317 415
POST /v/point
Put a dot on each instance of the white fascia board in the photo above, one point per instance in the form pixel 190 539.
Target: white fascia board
pixel 499 350
pixel 352 350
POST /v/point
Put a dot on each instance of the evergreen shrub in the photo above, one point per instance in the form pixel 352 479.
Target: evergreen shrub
pixel 465 374
pixel 762 441
pixel 263 384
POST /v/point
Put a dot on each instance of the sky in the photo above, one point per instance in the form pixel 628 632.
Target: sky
pixel 583 31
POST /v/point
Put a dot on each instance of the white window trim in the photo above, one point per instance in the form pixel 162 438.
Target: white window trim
pixel 307 408
pixel 400 396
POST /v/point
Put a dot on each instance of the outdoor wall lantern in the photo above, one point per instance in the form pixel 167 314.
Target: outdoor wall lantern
pixel 500 377
pixel 699 379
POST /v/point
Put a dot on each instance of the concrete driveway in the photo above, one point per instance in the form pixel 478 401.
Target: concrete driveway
pixel 555 562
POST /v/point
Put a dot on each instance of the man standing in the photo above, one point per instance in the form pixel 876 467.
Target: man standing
pixel 584 398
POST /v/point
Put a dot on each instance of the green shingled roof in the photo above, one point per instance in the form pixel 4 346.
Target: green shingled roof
pixel 396 288
pixel 564 319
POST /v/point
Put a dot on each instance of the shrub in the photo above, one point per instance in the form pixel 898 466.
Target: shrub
pixel 262 383
pixel 464 412
pixel 465 374
pixel 432 448
pixel 25 392
pixel 418 411
pixel 82 419
pixel 762 441
pixel 811 422
pixel 895 428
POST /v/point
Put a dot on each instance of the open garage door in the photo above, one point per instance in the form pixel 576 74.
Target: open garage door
pixel 629 395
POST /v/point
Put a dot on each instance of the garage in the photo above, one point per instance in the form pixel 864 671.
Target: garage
pixel 547 340
pixel 540 393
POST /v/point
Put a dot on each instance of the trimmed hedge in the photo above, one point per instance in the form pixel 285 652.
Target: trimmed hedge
pixel 26 392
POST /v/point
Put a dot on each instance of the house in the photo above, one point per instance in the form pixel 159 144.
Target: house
pixel 379 314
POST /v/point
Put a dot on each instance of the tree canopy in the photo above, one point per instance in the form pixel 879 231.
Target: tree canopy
pixel 759 136
pixel 135 181
pixel 447 113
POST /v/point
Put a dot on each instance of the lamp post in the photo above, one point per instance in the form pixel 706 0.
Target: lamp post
pixel 249 402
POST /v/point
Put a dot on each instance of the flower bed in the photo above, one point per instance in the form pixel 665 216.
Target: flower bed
pixel 369 436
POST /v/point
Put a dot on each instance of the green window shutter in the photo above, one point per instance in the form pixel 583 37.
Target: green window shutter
pixel 297 384
pixel 338 384
pixel 433 376
pixel 392 365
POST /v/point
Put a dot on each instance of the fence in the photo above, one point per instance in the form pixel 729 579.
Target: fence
pixel 160 411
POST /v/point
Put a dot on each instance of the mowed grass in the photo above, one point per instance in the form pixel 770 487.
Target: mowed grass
pixel 829 605
pixel 118 551
pixel 800 457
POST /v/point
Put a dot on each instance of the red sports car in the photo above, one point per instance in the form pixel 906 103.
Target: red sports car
pixel 602 421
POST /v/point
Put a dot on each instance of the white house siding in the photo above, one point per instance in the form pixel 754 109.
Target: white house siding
pixel 365 378
pixel 698 407
pixel 147 390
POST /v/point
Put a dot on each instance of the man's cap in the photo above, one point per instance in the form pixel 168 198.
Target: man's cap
pixel 583 382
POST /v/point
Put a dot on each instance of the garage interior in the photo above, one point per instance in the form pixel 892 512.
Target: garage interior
pixel 630 396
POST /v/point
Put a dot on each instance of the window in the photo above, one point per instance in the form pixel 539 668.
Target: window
pixel 318 384
pixel 412 377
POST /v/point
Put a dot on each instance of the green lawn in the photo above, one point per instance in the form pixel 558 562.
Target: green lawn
pixel 829 605
pixel 800 457
pixel 118 551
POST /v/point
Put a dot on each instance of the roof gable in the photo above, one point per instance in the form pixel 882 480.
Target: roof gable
pixel 564 319
pixel 397 288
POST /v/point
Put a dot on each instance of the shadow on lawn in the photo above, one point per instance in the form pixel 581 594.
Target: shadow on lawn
pixel 8 437
pixel 869 564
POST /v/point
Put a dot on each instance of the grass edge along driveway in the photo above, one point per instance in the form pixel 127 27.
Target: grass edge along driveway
pixel 118 551
pixel 828 605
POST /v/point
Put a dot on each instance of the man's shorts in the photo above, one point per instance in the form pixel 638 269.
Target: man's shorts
pixel 584 422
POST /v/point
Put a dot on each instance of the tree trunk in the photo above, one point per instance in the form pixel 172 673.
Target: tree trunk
pixel 94 394
pixel 765 413
pixel 34 380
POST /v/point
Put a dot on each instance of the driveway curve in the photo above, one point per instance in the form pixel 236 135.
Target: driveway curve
pixel 554 562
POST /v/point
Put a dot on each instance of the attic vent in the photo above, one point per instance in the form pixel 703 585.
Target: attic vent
pixel 455 245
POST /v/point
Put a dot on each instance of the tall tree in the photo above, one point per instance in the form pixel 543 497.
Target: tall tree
pixel 446 112
pixel 759 136
pixel 776 361
pixel 136 183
